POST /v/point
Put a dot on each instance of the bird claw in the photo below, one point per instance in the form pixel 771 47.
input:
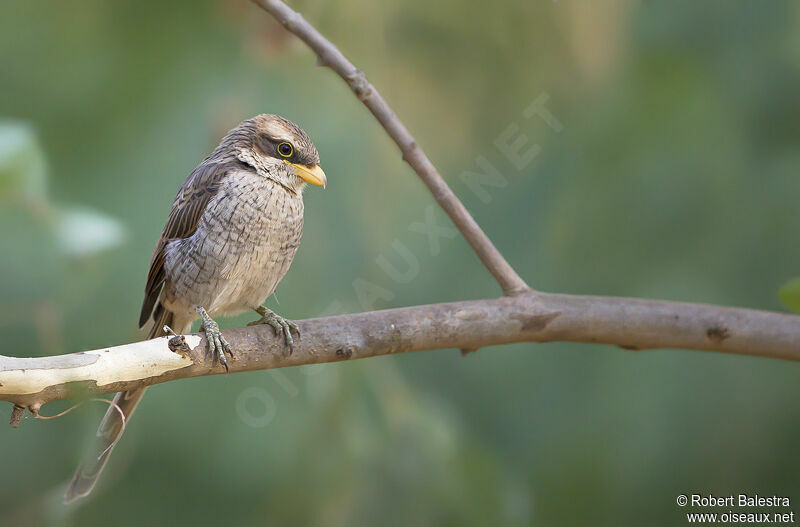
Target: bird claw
pixel 217 345
pixel 281 326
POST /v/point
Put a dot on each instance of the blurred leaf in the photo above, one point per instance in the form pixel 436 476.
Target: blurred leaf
pixel 790 294
pixel 22 162
pixel 81 231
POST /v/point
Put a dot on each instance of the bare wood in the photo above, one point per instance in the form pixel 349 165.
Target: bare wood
pixel 528 317
pixel 330 56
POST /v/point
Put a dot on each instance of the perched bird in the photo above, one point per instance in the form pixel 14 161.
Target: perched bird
pixel 230 237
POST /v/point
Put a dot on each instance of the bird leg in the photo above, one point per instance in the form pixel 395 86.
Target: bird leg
pixel 217 345
pixel 279 324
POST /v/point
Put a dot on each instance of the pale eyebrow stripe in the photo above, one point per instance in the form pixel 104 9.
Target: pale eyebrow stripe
pixel 278 132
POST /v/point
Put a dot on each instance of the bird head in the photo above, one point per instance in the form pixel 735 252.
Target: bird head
pixel 277 149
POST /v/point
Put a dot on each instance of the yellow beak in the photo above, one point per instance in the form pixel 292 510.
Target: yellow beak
pixel 313 175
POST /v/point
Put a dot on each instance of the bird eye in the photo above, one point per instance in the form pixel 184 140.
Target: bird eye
pixel 285 149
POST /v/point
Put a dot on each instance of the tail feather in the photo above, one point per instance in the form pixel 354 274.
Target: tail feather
pixel 108 434
pixel 112 425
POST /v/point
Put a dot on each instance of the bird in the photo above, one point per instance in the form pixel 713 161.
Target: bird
pixel 230 237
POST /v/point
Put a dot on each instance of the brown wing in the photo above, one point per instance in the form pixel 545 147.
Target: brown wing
pixel 192 199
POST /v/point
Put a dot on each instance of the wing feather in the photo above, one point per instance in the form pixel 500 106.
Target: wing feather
pixel 193 197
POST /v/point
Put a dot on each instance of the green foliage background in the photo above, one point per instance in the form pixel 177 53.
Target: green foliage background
pixel 675 176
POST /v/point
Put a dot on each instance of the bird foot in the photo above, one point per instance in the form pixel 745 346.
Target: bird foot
pixel 281 325
pixel 217 345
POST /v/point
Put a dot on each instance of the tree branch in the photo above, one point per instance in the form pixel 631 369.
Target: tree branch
pixel 521 316
pixel 328 55
pixel 527 317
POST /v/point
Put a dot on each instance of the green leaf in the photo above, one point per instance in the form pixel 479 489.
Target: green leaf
pixel 82 231
pixel 790 294
pixel 23 170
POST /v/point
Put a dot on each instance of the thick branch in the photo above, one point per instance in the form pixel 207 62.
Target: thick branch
pixel 528 317
pixel 328 55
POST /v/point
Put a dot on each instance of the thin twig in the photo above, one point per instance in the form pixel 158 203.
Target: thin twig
pixel 328 55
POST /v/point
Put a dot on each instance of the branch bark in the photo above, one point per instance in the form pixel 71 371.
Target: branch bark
pixel 330 56
pixel 527 317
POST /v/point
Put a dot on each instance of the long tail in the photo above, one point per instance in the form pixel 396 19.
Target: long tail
pixel 111 427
